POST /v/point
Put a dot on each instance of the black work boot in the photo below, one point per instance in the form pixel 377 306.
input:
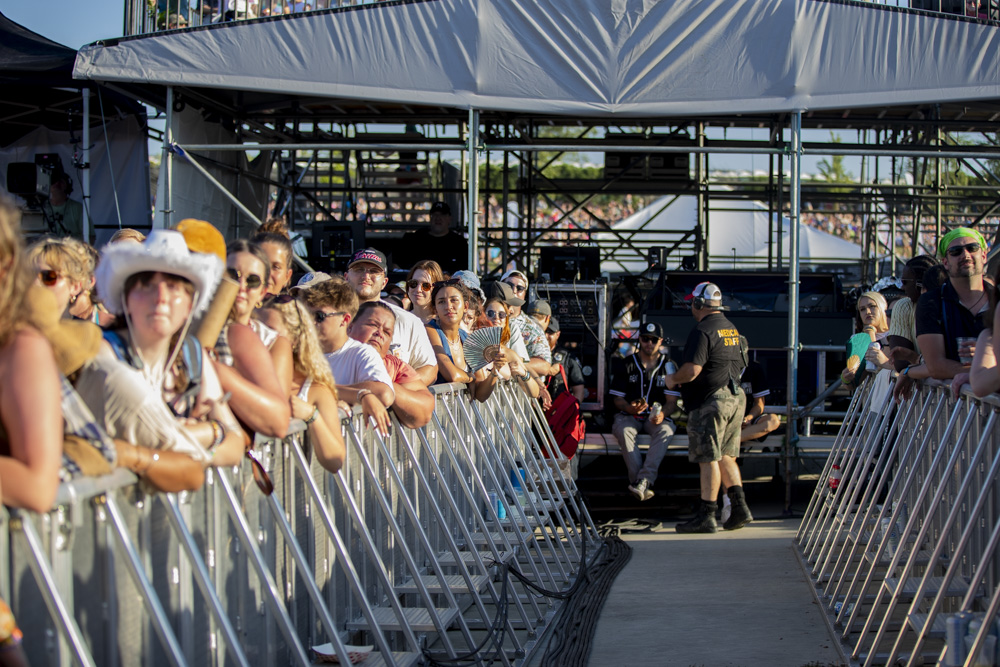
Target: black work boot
pixel 703 522
pixel 740 515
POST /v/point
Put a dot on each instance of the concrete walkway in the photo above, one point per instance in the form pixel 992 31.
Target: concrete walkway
pixel 726 600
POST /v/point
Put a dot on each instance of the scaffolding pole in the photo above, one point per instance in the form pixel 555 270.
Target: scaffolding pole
pixel 795 201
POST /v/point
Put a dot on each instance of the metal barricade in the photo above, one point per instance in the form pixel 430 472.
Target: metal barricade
pixel 409 549
pixel 900 537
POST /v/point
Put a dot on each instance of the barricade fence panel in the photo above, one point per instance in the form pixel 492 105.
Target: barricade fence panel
pixel 406 549
pixel 900 537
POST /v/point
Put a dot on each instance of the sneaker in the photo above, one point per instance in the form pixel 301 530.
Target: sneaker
pixel 647 494
pixel 640 489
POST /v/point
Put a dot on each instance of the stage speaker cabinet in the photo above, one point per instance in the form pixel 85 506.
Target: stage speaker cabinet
pixel 582 311
pixel 626 166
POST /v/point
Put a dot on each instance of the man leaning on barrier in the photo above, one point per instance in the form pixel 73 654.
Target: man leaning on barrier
pixel 709 377
pixel 949 319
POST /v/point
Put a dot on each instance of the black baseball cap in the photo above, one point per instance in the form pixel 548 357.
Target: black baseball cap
pixel 553 325
pixel 441 207
pixel 651 329
pixel 370 255
pixel 495 289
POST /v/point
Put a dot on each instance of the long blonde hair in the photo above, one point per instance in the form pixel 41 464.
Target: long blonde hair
pixel 882 321
pixel 307 355
pixel 16 273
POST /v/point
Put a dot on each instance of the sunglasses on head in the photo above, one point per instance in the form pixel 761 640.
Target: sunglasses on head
pixel 496 314
pixel 49 278
pixel 446 283
pixel 320 316
pixel 253 281
pixel 414 284
pixel 260 476
pixel 278 299
pixel 518 289
pixel 956 251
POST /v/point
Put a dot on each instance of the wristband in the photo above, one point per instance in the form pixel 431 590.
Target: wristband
pixel 218 433
pixel 363 392
pixel 906 371
pixel 313 417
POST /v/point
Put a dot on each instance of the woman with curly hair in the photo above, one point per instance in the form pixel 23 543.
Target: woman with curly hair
pixel 314 393
pixel 63 267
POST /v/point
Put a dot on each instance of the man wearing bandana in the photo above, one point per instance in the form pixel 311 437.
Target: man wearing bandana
pixel 953 312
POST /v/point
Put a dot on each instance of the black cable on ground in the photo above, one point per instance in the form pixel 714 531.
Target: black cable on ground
pixel 573 629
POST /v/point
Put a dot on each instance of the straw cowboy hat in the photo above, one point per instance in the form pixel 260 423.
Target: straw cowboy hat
pixel 164 250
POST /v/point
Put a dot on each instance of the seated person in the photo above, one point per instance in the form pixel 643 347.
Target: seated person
pixel 635 381
pixel 358 370
pixel 953 312
pixel 373 325
pixel 151 384
pixel 756 424
pixel 314 392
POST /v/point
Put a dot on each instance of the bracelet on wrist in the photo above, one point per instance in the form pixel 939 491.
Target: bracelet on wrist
pixel 218 433
pixel 363 392
pixel 313 417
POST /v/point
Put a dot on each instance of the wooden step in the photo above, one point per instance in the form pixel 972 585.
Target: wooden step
pixel 435 584
pixel 418 618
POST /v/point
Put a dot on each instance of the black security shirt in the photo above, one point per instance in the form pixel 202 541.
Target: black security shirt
pixel 941 312
pixel 630 380
pixel 713 344
pixel 574 372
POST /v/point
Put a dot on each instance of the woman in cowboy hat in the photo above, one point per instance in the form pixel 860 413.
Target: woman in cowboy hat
pixel 156 289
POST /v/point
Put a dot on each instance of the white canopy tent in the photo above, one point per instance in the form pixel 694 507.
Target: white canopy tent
pixel 738 236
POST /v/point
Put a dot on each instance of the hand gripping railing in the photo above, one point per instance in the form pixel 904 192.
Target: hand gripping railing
pixel 909 537
pixel 405 549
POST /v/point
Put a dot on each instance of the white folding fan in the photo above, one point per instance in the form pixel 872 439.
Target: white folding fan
pixel 482 345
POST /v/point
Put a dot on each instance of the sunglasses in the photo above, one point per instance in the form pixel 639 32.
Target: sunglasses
pixel 278 299
pixel 260 476
pixel 320 316
pixel 253 281
pixel 518 289
pixel 496 314
pixel 424 287
pixel 648 339
pixel 49 278
pixel 446 283
pixel 956 251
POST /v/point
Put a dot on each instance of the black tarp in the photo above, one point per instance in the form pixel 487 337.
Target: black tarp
pixel 37 86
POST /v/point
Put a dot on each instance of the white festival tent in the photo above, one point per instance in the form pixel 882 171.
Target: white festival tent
pixel 738 236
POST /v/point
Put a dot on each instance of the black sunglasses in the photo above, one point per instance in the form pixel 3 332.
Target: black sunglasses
pixel 320 316
pixel 518 289
pixel 649 339
pixel 260 476
pixel 279 299
pixel 446 283
pixel 253 281
pixel 956 251
pixel 49 278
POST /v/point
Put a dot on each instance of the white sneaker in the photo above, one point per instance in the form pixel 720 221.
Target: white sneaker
pixel 640 489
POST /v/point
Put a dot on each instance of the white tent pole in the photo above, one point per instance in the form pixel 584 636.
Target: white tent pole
pixel 167 162
pixel 795 220
pixel 85 177
pixel 471 208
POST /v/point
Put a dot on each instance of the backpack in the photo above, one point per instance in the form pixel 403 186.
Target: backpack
pixel 565 420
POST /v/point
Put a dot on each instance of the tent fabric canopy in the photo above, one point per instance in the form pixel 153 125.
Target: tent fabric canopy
pixel 738 236
pixel 593 58
pixel 28 58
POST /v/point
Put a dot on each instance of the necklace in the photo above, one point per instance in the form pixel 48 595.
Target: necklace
pixel 972 308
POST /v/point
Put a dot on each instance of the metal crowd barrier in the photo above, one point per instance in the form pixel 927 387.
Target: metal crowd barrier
pixel 406 549
pixel 900 537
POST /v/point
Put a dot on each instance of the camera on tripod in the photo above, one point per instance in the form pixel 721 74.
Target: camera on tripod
pixel 33 180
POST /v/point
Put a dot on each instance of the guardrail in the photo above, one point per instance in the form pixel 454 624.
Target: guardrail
pixel 900 537
pixel 404 549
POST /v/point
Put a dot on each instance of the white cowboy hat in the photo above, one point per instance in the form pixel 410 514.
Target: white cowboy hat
pixel 164 250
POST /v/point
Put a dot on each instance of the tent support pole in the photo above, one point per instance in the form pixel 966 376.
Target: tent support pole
pixel 791 437
pixel 166 160
pixel 86 163
pixel 471 208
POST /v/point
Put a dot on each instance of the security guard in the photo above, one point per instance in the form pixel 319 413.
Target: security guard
pixel 709 378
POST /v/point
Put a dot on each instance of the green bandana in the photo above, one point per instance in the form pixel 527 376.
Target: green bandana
pixel 959 233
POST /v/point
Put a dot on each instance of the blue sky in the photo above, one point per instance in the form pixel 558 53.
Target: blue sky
pixel 70 22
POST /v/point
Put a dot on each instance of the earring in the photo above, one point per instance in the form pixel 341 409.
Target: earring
pixel 72 299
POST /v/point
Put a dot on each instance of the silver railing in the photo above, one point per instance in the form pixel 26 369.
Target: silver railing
pixel 142 17
pixel 900 537
pixel 406 549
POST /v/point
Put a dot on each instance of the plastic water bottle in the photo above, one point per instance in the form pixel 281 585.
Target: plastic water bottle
pixel 835 476
pixel 654 410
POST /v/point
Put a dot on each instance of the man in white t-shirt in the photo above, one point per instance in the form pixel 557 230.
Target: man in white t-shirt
pixel 366 273
pixel 358 370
